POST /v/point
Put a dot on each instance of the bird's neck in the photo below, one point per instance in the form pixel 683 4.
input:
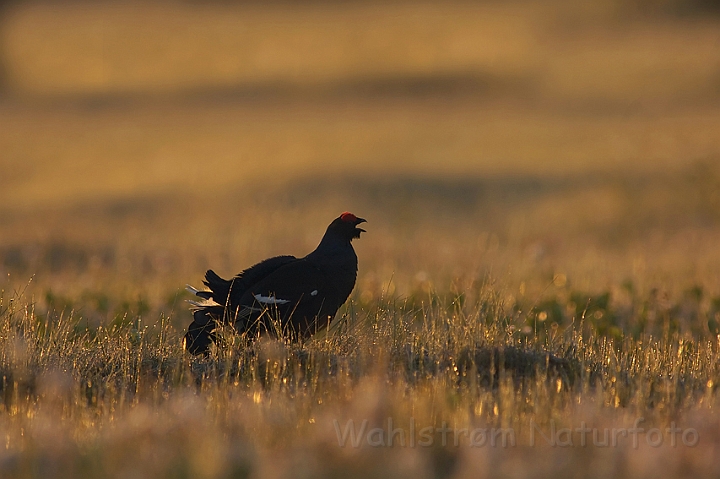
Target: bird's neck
pixel 333 242
pixel 334 249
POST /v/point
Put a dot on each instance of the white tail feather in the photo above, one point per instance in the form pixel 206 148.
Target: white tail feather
pixel 202 304
pixel 269 299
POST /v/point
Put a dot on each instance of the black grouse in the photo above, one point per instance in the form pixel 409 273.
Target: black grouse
pixel 301 295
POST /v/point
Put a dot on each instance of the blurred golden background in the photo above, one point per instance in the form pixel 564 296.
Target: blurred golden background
pixel 541 180
pixel 516 142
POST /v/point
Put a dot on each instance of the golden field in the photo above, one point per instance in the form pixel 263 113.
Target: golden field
pixel 542 185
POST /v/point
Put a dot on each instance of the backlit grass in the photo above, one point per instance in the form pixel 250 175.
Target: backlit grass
pixel 125 399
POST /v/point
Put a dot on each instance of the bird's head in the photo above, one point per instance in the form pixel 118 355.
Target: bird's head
pixel 345 225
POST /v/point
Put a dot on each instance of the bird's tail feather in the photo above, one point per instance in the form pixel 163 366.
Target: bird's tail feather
pixel 219 287
pixel 207 303
pixel 196 292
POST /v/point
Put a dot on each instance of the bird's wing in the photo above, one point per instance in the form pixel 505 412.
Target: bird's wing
pixel 287 286
pixel 300 294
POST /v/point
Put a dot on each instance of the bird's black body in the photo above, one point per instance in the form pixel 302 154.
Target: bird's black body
pixel 300 295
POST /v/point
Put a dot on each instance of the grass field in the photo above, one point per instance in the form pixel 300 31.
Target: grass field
pixel 538 284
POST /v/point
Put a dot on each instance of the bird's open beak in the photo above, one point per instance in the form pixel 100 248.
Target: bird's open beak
pixel 358 221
